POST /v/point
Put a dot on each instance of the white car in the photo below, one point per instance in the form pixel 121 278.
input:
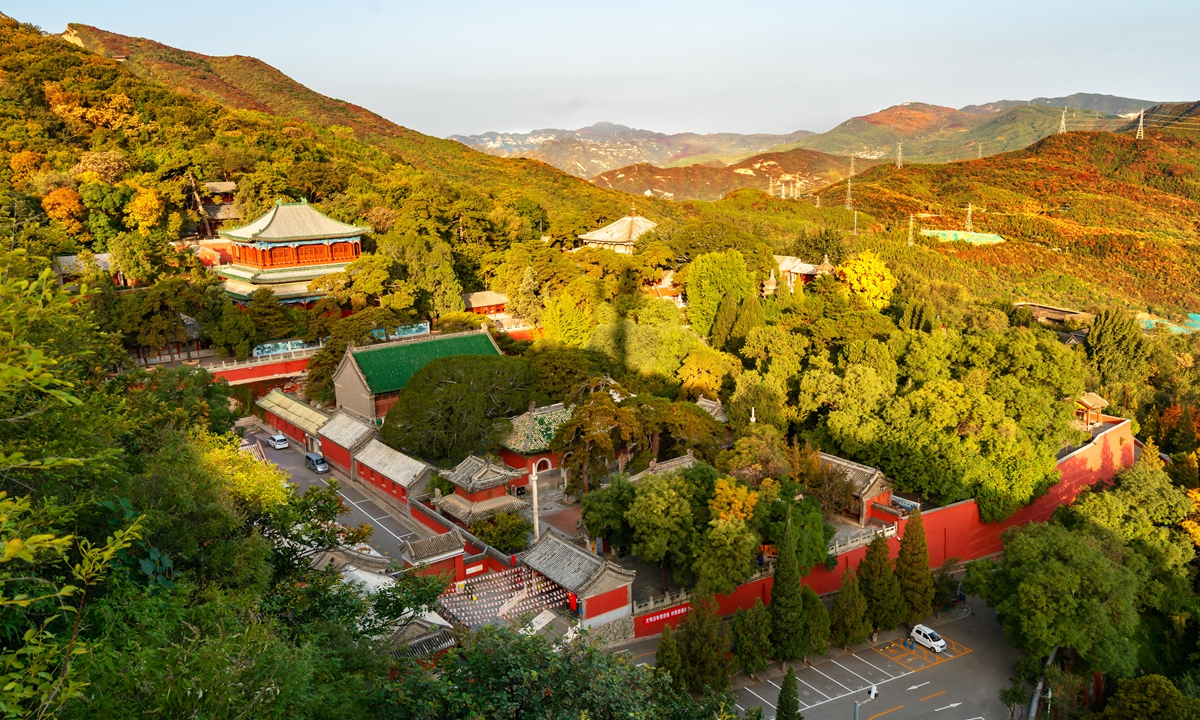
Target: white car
pixel 279 442
pixel 929 638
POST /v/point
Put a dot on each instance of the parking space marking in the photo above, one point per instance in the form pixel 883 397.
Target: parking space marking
pixel 860 677
pixel 814 689
pixel 835 682
pixel 885 672
pixel 760 697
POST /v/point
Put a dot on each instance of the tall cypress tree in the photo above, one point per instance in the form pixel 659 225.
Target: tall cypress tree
pixel 848 623
pixel 727 313
pixel 787 604
pixel 704 647
pixel 787 707
pixel 750 316
pixel 667 659
pixel 912 570
pixel 885 602
pixel 752 638
pixel 816 619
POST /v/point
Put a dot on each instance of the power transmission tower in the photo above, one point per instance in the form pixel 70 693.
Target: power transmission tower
pixel 979 148
pixel 818 200
pixel 1141 134
pixel 855 222
pixel 970 208
pixel 1062 124
pixel 899 155
pixel 910 229
pixel 849 180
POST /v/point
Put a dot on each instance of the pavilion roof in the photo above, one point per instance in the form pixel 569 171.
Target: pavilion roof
pixel 865 481
pixel 471 512
pixel 475 473
pixel 532 432
pixel 293 221
pixel 625 231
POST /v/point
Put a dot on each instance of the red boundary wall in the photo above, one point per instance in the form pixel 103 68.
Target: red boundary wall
pixel 951 531
pixel 265 371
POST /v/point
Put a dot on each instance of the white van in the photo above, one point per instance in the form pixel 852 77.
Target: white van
pixel 929 638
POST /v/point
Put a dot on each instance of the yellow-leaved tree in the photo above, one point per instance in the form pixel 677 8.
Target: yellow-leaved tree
pixel 732 500
pixel 869 279
pixel 260 485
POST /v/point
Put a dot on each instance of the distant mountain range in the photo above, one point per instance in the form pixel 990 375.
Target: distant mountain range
pixel 1108 104
pixel 605 146
pixel 795 171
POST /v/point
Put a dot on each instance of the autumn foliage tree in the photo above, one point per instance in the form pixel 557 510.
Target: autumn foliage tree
pixel 869 279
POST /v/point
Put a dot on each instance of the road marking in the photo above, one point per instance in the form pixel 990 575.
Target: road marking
pixel 885 712
pixel 932 696
pixel 860 677
pixel 951 705
pixel 776 686
pixel 760 697
pixel 831 679
pixel 914 687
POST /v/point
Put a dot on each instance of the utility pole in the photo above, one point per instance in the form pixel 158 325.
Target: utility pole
pixel 899 155
pixel 1141 134
pixel 849 181
pixel 1062 124
pixel 910 229
pixel 534 482
pixel 970 207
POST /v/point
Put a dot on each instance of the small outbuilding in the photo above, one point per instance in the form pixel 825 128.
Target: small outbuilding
pixel 620 236
pixel 293 418
pixel 601 587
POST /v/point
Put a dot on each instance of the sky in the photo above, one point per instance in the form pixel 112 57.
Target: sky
pixel 446 67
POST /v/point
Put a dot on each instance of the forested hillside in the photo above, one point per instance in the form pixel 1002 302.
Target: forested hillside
pixel 1089 217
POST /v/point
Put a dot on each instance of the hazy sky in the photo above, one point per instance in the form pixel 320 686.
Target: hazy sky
pixel 445 67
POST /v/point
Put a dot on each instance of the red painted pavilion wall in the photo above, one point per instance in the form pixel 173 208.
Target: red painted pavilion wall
pixel 338 456
pixel 607 601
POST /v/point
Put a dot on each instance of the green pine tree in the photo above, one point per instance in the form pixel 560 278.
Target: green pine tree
pixel 704 647
pixel 787 707
pixel 524 303
pixel 727 313
pixel 752 638
pixel 750 316
pixel 667 660
pixel 880 588
pixel 912 570
pixel 268 316
pixel 816 619
pixel 787 604
pixel 848 623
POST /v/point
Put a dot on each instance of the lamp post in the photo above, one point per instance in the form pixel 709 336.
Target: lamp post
pixel 872 693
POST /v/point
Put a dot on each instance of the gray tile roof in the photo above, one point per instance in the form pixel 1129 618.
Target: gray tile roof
pixel 570 566
pixel 866 481
pixel 472 512
pixel 474 474
pixel 221 211
pixel 714 408
pixel 392 464
pixel 483 299
pixel 294 221
pixel 416 551
pixel 680 463
pixel 220 186
pixel 71 265
pixel 346 430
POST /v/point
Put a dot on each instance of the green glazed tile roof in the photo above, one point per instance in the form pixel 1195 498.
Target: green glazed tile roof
pixel 389 367
pixel 532 432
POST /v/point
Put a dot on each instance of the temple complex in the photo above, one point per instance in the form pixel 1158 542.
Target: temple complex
pixel 285 250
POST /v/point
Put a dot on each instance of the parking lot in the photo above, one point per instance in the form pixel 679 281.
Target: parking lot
pixel 388 531
pixel 960 683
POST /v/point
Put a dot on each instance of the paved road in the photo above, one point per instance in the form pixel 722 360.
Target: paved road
pixel 388 530
pixel 960 684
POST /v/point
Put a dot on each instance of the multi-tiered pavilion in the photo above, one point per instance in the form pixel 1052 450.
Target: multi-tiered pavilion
pixel 286 249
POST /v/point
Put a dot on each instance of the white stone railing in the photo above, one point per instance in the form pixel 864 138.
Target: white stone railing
pixel 839 548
